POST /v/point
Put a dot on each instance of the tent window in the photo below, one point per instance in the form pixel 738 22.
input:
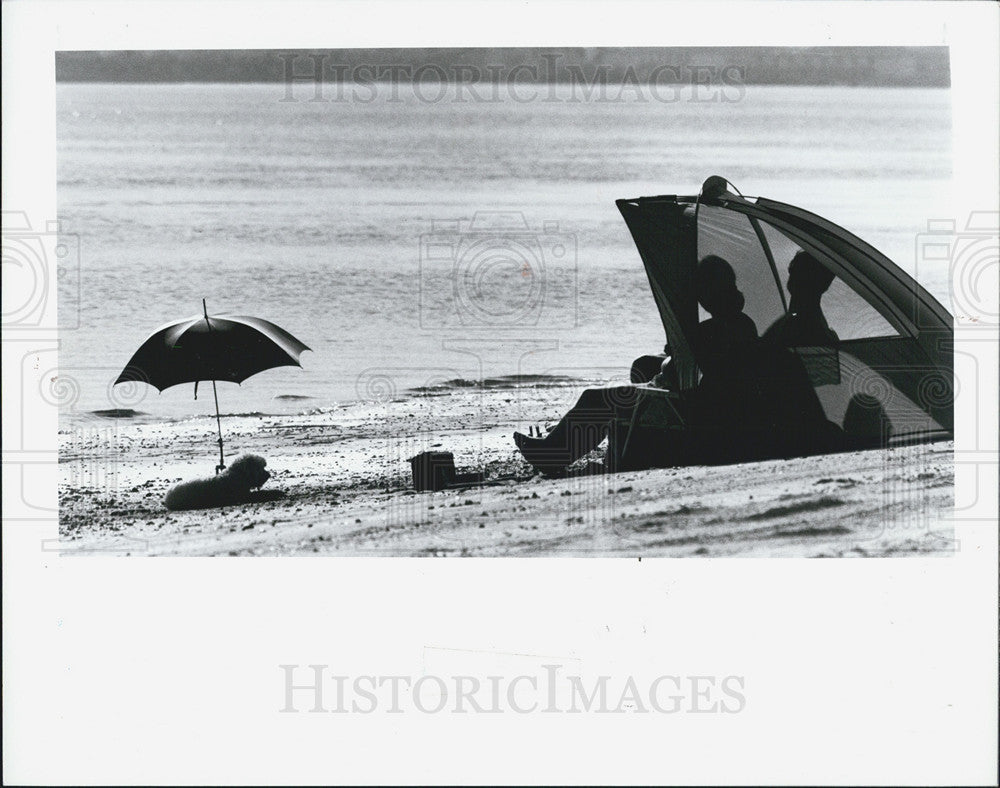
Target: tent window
pixel 730 235
pixel 848 314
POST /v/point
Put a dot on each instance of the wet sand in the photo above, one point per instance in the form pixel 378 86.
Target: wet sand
pixel 348 491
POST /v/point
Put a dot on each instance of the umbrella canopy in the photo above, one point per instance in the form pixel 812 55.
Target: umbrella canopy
pixel 217 347
pixel 221 347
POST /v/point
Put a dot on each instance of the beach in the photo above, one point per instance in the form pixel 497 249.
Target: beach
pixel 348 490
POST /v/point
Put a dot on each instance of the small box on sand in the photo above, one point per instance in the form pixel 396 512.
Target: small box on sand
pixel 433 470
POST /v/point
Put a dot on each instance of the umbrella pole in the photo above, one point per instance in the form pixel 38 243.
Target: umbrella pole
pixel 218 421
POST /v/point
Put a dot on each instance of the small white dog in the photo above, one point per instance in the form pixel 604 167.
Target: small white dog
pixel 232 486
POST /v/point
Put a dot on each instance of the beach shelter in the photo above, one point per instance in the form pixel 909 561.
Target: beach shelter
pixel 887 376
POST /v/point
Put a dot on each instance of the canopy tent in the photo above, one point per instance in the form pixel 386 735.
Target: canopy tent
pixel 889 372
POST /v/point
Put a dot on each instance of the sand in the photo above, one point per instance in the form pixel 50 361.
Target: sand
pixel 348 490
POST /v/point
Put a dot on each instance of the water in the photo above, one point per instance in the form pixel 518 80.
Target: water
pixel 325 217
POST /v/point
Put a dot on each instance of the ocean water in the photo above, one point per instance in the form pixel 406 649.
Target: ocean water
pixel 354 225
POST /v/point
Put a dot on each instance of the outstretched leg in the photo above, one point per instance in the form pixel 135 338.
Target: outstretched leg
pixel 580 430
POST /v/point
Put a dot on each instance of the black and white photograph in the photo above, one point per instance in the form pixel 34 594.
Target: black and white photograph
pixel 322 283
pixel 505 302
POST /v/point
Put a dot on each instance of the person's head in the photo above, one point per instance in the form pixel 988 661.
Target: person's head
pixel 808 278
pixel 715 287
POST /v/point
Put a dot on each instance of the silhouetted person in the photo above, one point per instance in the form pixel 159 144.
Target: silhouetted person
pixel 805 323
pixel 723 347
pixel 789 406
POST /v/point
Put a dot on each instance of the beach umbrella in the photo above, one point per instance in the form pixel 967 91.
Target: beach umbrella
pixel 217 347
